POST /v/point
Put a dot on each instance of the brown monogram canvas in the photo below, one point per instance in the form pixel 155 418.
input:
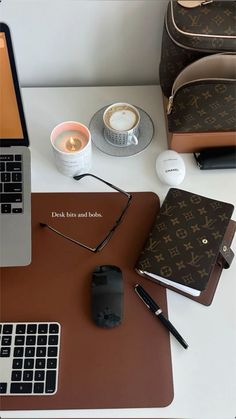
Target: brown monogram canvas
pixel 204 106
pixel 190 34
pixel 173 60
pixel 207 27
pixel 185 241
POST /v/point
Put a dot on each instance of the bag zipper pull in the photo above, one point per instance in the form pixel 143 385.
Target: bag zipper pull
pixel 170 105
pixel 206 2
pixel 189 4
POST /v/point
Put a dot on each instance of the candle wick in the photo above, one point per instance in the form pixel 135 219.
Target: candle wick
pixel 73 144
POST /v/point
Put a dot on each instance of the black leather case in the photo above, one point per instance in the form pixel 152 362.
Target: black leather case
pixel 217 158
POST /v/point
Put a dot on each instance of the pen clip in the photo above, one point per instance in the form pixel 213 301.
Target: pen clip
pixel 135 289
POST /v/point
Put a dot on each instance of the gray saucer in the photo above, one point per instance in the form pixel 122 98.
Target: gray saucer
pixel 146 132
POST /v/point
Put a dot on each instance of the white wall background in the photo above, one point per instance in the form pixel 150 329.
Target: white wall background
pixel 85 42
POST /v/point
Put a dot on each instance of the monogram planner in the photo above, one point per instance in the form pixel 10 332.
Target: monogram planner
pixel 187 241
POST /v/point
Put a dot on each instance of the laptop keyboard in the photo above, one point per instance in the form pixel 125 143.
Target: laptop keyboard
pixel 11 185
pixel 29 358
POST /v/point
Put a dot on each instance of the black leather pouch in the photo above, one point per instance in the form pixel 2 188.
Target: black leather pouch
pixel 216 158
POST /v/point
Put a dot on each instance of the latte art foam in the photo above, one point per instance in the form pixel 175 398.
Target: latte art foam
pixel 123 120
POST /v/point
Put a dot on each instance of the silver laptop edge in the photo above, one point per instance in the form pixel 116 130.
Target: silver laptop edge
pixel 15 228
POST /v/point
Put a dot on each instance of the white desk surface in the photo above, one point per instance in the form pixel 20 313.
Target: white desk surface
pixel 205 374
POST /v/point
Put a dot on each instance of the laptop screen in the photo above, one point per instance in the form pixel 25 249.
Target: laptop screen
pixel 12 122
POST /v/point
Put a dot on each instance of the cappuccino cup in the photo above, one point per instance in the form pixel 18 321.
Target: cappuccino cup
pixel 121 124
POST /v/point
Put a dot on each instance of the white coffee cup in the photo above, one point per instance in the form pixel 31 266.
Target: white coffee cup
pixel 121 124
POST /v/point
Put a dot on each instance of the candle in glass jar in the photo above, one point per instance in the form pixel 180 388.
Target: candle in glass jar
pixel 71 145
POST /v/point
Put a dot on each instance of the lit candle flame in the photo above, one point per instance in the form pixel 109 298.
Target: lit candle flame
pixel 73 144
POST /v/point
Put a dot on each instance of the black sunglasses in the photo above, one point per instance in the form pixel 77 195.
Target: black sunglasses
pixel 106 239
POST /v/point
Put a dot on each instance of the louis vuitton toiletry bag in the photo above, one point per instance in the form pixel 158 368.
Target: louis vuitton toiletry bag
pixel 198 74
pixel 203 96
pixel 192 30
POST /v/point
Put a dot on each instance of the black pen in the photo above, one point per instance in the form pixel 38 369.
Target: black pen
pixel 155 309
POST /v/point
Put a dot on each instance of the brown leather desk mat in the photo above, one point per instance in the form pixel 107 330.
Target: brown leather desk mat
pixel 128 366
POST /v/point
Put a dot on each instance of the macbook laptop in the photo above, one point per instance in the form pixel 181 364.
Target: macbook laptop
pixel 15 190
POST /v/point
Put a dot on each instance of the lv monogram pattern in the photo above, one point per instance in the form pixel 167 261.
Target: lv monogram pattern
pixel 180 49
pixel 173 60
pixel 185 240
pixel 215 20
pixel 204 107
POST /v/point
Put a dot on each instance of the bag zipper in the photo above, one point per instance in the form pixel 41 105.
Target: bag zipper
pixel 202 35
pixel 188 4
pixel 187 47
pixel 173 92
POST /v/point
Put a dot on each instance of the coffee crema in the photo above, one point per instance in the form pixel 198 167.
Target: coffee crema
pixel 121 118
